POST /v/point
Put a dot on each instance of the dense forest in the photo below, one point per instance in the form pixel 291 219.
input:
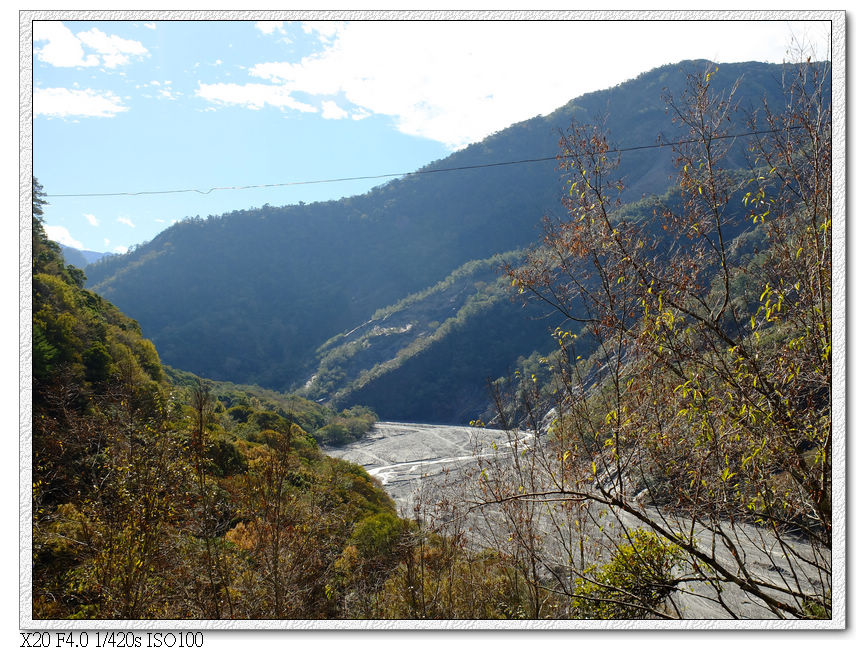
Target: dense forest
pixel 666 386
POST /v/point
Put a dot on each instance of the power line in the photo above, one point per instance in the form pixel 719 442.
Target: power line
pixel 656 145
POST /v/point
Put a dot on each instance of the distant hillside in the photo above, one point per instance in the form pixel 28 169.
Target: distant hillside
pixel 458 332
pixel 251 296
pixel 80 258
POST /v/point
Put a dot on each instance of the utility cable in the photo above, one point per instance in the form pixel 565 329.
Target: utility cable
pixel 418 172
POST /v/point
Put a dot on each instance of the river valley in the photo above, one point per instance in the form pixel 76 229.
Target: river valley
pixel 403 456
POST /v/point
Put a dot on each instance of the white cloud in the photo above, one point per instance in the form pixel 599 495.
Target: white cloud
pixel 162 88
pixel 325 30
pixel 61 234
pixel 107 241
pixel 126 220
pixel 270 26
pixel 457 82
pixel 63 102
pixel 65 49
pixel 91 219
pixel 150 25
pixel 115 50
pixel 121 249
pixel 481 82
pixel 330 110
pixel 254 96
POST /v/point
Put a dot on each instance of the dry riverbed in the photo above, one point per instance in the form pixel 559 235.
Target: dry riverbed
pixel 402 455
pixel 408 457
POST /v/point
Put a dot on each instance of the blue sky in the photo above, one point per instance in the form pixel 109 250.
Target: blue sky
pixel 154 105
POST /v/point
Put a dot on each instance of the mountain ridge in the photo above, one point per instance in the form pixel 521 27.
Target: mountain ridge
pixel 249 296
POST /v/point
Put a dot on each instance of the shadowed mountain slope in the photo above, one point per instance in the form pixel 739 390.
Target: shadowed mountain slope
pixel 250 296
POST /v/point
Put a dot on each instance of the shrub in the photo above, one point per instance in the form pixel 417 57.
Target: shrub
pixel 637 579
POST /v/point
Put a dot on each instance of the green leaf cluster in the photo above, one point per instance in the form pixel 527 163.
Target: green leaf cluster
pixel 637 580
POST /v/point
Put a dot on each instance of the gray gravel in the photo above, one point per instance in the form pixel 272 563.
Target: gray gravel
pixel 402 455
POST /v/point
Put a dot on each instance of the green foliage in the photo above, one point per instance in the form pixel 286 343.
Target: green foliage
pixel 377 535
pixel 348 426
pixel 43 352
pixel 76 330
pixel 636 581
pixel 818 608
pixel 97 363
pixel 269 420
pixel 240 412
pixel 250 410
pixel 226 458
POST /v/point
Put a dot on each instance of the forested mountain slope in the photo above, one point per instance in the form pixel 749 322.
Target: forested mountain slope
pixel 482 332
pixel 250 296
pixel 154 491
